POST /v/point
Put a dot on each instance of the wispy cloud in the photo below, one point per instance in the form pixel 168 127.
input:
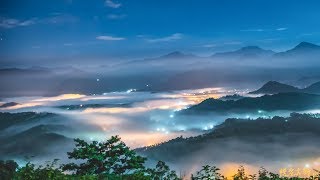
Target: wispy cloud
pixel 281 29
pixel 269 40
pixel 55 18
pixel 172 37
pixel 233 43
pixel 263 30
pixel 253 30
pixel 209 45
pixel 112 4
pixel 116 16
pixel 60 19
pixel 110 38
pixel 12 23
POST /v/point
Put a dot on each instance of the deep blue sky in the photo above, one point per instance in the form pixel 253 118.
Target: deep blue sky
pixel 36 31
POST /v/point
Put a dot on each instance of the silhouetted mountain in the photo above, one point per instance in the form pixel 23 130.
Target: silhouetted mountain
pixel 176 55
pixel 274 87
pixel 282 101
pixel 234 97
pixel 305 49
pixel 313 88
pixel 245 52
pixel 9 104
pixel 277 138
pixel 38 140
pixel 12 119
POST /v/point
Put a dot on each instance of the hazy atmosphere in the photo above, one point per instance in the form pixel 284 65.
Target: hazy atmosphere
pixel 192 83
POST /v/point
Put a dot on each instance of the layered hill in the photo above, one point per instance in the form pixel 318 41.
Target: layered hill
pixel 274 87
pixel 245 141
pixel 282 101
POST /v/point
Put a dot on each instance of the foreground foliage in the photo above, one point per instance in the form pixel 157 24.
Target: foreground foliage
pixel 113 160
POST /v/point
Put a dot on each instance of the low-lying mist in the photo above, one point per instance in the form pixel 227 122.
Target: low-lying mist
pixel 141 119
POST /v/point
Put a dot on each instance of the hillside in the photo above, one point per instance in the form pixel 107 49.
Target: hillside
pixel 277 138
pixel 274 87
pixel 281 101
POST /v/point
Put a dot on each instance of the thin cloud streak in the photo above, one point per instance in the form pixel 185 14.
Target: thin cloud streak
pixel 172 37
pixel 282 29
pixel 54 19
pixel 12 23
pixel 112 4
pixel 116 16
pixel 110 38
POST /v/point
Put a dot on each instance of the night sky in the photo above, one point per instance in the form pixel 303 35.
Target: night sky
pixel 59 31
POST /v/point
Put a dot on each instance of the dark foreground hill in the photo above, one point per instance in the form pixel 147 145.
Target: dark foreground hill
pixel 280 139
pixel 281 101
pixel 31 134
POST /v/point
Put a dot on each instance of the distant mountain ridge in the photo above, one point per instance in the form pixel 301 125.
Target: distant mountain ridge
pixel 302 49
pixel 248 136
pixel 177 54
pixel 245 52
pixel 292 101
pixel 249 52
pixel 274 87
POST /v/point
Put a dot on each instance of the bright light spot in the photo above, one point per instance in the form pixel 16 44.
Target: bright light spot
pixel 163 129
pixel 286 120
pixel 247 116
pixel 259 111
pixel 205 128
pixel 171 116
pixel 307 165
pixel 130 90
pixel 211 126
pixel 147 85
pixel 158 129
pixel 80 105
pixel 98 80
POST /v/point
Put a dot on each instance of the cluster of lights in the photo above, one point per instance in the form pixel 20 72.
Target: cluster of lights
pixel 131 90
pixel 162 130
pixel 206 128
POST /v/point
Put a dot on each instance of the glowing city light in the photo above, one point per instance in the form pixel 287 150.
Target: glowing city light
pixel 131 90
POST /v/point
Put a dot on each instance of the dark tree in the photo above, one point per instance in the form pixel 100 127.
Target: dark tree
pixel 109 157
pixel 241 175
pixel 209 173
pixel 162 172
pixel 7 169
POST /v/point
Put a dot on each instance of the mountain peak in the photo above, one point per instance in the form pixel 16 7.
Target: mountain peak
pixel 246 52
pixel 307 45
pixel 274 87
pixel 177 54
pixel 251 48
